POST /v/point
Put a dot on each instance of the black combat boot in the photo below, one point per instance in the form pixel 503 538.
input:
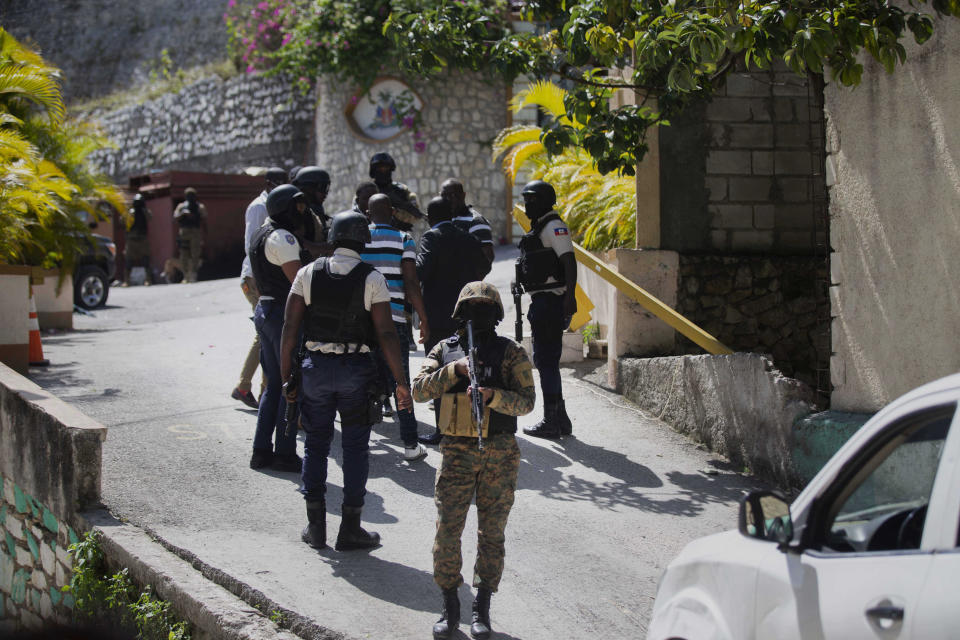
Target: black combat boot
pixel 352 536
pixel 549 427
pixel 433 438
pixel 315 533
pixel 449 616
pixel 480 627
pixel 566 427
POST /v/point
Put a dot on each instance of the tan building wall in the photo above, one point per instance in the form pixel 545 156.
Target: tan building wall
pixel 894 173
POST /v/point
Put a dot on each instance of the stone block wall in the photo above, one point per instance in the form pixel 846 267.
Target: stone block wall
pixel 771 305
pixel 215 125
pixel 762 174
pixel 34 561
pixel 50 456
pixel 461 116
pixel 744 172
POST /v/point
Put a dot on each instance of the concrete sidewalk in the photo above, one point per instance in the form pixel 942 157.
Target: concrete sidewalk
pixel 596 519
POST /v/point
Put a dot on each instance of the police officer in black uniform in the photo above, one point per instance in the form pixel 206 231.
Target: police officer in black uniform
pixel 547 270
pixel 406 212
pixel 314 182
pixel 275 260
pixel 343 305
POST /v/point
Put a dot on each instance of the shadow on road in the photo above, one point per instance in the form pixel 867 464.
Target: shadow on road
pixel 634 485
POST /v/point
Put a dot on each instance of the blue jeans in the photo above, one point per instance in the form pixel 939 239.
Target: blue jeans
pixel 271 417
pixel 546 325
pixel 330 384
pixel 406 419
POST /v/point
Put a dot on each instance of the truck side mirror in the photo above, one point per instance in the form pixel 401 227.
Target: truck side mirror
pixel 765 515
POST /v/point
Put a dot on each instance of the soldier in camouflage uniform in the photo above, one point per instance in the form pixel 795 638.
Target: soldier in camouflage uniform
pixel 191 217
pixel 506 382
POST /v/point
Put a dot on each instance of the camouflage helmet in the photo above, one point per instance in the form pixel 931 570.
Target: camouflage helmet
pixel 479 290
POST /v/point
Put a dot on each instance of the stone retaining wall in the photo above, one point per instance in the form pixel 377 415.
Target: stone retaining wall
pixel 763 304
pixel 738 405
pixel 50 456
pixel 215 125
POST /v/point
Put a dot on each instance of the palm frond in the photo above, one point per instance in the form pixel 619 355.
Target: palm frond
pixel 519 156
pixel 545 95
pixel 29 83
pixel 513 135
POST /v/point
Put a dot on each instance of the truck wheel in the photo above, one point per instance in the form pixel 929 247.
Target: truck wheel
pixel 91 288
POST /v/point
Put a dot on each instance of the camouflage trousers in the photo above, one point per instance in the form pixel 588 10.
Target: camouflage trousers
pixel 491 476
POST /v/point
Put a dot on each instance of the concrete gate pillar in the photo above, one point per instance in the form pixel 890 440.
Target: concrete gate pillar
pixel 633 330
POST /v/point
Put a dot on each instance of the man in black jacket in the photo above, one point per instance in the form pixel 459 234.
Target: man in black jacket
pixel 448 259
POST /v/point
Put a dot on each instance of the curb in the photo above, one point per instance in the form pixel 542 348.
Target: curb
pixel 218 606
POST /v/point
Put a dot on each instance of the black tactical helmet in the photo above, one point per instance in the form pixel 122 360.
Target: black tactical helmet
pixel 349 225
pixel 543 192
pixel 311 177
pixel 276 175
pixel 382 158
pixel 281 206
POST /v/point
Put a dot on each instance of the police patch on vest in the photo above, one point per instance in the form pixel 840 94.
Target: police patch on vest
pixel 290 239
pixel 561 231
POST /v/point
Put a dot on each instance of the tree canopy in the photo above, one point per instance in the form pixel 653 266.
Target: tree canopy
pixel 672 52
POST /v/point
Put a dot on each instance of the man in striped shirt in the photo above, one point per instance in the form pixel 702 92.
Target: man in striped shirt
pixel 393 253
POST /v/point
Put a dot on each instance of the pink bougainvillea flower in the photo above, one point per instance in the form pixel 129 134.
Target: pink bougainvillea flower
pixel 346 44
pixel 251 68
pixel 263 6
pixel 308 42
pixel 417 135
pixel 420 147
pixel 261 28
pixel 303 79
pixel 408 122
pixel 232 3
pixel 354 99
pixel 287 37
pixel 276 12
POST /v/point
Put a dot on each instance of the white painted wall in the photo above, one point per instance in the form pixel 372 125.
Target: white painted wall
pixel 894 173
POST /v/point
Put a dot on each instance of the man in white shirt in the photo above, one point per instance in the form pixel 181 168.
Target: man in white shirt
pixel 343 306
pixel 254 218
pixel 275 259
pixel 547 270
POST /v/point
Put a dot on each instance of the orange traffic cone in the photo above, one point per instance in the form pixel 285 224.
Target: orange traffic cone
pixel 36 348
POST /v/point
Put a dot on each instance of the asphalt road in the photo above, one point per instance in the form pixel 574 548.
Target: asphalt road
pixel 597 516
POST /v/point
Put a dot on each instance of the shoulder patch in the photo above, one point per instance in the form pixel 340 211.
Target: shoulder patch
pixel 289 238
pixel 561 231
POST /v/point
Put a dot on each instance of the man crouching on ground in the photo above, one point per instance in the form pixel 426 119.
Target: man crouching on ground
pixel 490 473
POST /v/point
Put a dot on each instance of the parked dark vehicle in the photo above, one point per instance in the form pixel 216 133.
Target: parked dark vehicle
pixel 94 271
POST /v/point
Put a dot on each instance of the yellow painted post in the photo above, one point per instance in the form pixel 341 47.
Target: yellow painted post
pixel 639 295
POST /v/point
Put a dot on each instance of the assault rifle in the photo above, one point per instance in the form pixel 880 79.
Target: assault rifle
pixel 293 408
pixel 476 398
pixel 517 290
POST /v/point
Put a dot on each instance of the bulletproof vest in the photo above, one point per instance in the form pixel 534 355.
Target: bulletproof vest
pixel 490 354
pixel 192 218
pixel 537 262
pixel 139 227
pixel 336 312
pixel 270 278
